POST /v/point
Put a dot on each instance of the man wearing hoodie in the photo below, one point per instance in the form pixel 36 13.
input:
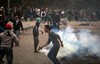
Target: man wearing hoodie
pixel 7 38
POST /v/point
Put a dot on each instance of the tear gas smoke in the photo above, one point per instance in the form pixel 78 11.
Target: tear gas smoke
pixel 80 43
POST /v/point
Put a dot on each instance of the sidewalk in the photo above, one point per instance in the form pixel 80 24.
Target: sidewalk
pixel 27 24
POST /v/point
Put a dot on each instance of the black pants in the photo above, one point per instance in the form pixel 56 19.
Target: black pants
pixel 53 53
pixel 36 42
pixel 9 54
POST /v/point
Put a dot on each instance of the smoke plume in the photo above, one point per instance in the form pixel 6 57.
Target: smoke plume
pixel 76 43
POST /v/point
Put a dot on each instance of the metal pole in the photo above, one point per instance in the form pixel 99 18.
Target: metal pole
pixel 8 4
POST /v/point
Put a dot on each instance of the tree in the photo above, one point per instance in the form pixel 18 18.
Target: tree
pixel 65 4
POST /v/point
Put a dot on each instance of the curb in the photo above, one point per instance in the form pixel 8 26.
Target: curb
pixel 28 27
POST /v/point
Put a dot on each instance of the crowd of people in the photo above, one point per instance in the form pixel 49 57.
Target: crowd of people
pixel 9 34
pixel 52 17
pixel 45 15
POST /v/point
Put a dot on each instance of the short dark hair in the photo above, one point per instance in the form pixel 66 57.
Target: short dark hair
pixel 48 27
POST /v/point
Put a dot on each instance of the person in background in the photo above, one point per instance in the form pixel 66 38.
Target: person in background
pixel 2 22
pixel 17 25
pixel 57 20
pixel 35 35
pixel 7 38
pixel 56 45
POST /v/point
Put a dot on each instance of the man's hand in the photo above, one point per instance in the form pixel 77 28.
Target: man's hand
pixel 62 44
pixel 42 32
pixel 39 48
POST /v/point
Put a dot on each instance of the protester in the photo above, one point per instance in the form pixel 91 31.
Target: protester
pixel 17 25
pixel 35 35
pixel 56 45
pixel 57 20
pixel 43 15
pixel 6 44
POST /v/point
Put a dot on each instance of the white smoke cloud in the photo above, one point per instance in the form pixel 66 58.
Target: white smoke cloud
pixel 76 43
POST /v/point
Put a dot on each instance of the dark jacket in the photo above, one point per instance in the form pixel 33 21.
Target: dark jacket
pixel 2 24
pixel 17 26
pixel 1 29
